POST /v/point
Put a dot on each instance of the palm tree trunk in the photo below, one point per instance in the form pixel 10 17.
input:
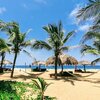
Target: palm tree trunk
pixel 84 68
pixel 13 65
pixel 3 57
pixel 62 69
pixel 42 96
pixel 56 62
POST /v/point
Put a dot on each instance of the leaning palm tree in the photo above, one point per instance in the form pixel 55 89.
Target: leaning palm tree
pixel 92 10
pixel 56 41
pixel 17 40
pixel 86 49
pixel 2 24
pixel 4 47
pixel 95 49
pixel 91 35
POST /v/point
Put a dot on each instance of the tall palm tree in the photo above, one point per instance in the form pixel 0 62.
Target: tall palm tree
pixel 4 47
pixel 17 39
pixel 56 41
pixel 92 10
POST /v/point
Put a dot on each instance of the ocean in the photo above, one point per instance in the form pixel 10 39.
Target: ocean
pixel 59 67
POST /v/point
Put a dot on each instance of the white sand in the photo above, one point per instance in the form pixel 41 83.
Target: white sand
pixel 82 88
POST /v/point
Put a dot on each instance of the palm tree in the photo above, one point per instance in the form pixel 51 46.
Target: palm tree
pixel 95 49
pixel 4 47
pixel 56 41
pixel 17 39
pixel 92 10
pixel 41 85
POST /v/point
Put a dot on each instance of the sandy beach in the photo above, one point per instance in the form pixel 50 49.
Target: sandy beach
pixel 85 87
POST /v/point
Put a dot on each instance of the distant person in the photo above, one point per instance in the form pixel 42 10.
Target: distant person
pixel 30 66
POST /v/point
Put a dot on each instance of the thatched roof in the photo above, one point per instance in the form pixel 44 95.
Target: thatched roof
pixel 71 61
pixel 50 61
pixel 35 63
pixel 84 62
pixel 39 63
pixel 63 59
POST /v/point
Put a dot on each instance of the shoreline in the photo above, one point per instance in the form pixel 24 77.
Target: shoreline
pixel 58 69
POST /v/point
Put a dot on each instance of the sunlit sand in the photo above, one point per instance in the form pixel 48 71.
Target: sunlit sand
pixel 85 87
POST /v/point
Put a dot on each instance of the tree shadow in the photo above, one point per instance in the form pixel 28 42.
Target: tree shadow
pixel 91 73
pixel 70 79
pixel 97 86
pixel 92 80
pixel 28 76
pixel 78 77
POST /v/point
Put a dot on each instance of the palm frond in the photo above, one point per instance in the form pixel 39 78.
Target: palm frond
pixel 68 36
pixel 60 27
pixel 88 49
pixel 3 46
pixel 65 48
pixel 28 31
pixel 43 83
pixel 47 29
pixel 23 35
pixel 90 35
pixel 25 43
pixel 95 61
pixel 41 45
pixel 2 25
pixel 12 37
pixel 36 84
pixel 95 28
pixel 91 10
pixel 26 52
pixel 97 44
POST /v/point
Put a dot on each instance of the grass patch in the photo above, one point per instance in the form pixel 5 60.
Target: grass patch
pixel 12 90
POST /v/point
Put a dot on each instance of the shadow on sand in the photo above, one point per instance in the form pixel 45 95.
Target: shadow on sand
pixel 71 79
pixel 79 77
pixel 28 76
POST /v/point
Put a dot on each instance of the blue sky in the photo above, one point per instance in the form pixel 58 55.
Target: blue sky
pixel 34 14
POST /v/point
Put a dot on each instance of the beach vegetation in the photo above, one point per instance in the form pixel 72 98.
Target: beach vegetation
pixel 12 90
pixel 41 87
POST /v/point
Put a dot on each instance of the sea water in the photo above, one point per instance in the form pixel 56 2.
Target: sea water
pixel 59 67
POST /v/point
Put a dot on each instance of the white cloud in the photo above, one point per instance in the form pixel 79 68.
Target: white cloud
pixel 64 30
pixel 75 11
pixel 73 14
pixel 41 1
pixel 25 6
pixel 2 10
pixel 84 27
